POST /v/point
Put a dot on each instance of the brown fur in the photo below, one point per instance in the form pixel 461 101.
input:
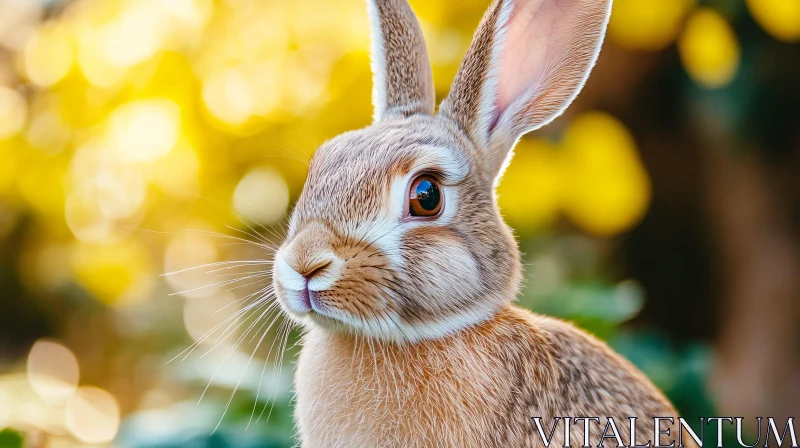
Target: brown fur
pixel 463 103
pixel 412 339
pixel 476 388
pixel 405 83
pixel 347 191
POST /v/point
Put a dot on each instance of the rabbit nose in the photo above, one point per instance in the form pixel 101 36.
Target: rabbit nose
pixel 310 270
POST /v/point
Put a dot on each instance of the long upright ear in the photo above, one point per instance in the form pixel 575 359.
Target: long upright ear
pixel 402 81
pixel 528 60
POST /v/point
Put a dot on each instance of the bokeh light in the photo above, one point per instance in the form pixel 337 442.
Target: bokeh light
pixel 202 315
pixel 53 370
pixel 145 130
pixel 135 35
pixel 85 219
pixel 261 196
pixel 13 112
pixel 228 97
pixel 529 193
pixel 18 21
pixel 709 49
pixel 121 191
pixel 594 176
pixel 647 25
pixel 41 186
pixel 47 131
pixel 49 54
pixel 608 189
pixel 92 415
pixel 184 254
pixel 177 175
pixel 781 18
pixel 118 274
pixel 5 409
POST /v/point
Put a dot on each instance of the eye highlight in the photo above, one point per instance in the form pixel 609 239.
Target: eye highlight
pixel 425 196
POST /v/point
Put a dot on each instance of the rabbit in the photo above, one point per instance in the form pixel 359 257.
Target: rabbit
pixel 399 266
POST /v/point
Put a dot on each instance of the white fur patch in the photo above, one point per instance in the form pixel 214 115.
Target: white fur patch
pixel 288 277
pixel 443 327
pixel 452 162
pixel 490 88
pixel 377 61
pixel 294 302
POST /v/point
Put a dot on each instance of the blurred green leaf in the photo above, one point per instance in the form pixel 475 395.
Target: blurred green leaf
pixel 10 438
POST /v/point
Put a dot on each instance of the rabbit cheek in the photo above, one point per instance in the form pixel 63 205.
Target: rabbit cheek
pixel 442 274
pixel 360 291
pixel 350 299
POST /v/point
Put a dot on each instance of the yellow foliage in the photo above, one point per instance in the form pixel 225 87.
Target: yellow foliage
pixel 13 112
pixel 529 192
pixel 145 130
pixel 709 49
pixel 49 54
pixel 780 18
pixel 9 167
pixel 594 176
pixel 608 190
pixel 40 183
pixel 116 274
pixel 647 25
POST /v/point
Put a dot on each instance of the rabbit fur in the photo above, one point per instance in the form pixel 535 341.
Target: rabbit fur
pixel 412 338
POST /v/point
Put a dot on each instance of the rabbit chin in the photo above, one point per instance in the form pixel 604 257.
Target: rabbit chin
pixel 391 327
pixel 386 325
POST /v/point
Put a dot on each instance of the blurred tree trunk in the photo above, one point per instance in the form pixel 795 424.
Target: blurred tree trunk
pixel 757 371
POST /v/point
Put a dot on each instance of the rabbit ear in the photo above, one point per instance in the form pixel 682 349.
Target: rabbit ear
pixel 402 82
pixel 528 60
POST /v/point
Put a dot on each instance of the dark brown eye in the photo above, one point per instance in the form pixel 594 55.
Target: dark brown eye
pixel 424 196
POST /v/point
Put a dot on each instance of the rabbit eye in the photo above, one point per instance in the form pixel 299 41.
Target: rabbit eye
pixel 424 197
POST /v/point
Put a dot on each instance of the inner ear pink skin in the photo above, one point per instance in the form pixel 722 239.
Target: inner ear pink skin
pixel 523 52
pixel 536 33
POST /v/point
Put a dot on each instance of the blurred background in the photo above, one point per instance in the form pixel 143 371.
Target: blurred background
pixel 140 137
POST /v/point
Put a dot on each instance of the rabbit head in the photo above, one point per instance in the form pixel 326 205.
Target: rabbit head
pixel 397 234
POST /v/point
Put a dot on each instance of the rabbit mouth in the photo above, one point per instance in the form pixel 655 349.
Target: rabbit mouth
pixel 333 308
pixel 303 301
pixel 302 297
pixel 309 299
pixel 307 296
pixel 308 305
